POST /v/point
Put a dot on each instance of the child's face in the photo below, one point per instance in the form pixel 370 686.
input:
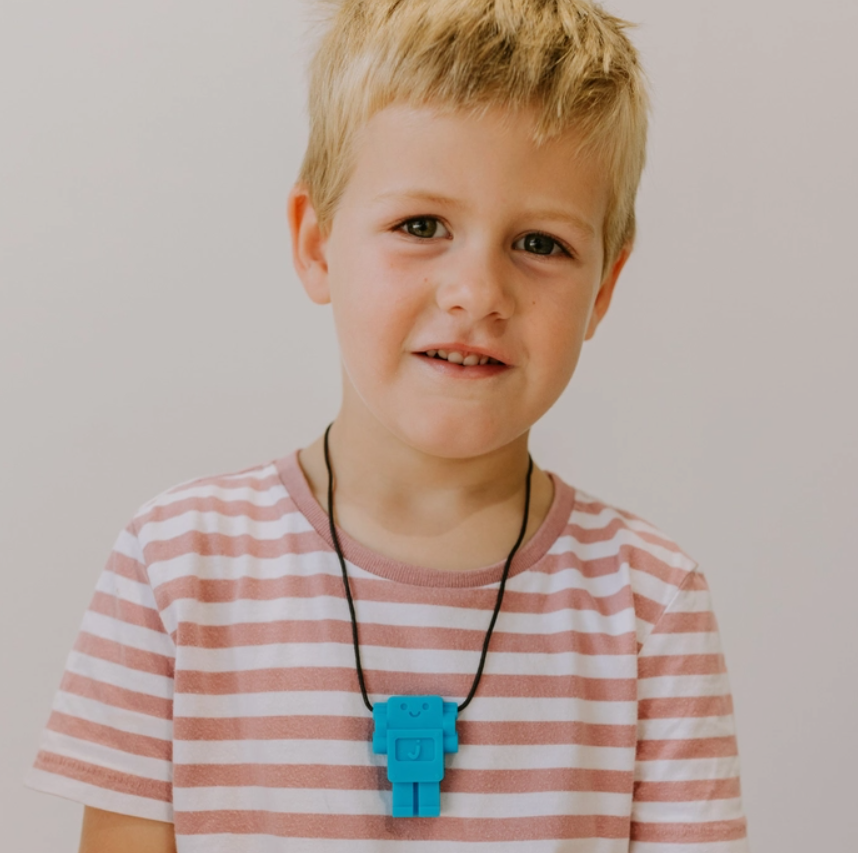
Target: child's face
pixel 451 233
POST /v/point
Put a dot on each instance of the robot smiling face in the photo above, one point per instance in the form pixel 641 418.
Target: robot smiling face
pixel 415 732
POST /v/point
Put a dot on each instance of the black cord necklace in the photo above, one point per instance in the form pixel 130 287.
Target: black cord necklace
pixel 416 731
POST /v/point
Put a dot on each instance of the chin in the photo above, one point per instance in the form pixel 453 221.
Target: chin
pixel 452 438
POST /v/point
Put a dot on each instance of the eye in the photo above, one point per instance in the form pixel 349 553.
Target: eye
pixel 425 227
pixel 537 243
pixel 425 706
pixel 404 706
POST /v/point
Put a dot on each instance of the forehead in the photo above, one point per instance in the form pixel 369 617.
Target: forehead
pixel 480 162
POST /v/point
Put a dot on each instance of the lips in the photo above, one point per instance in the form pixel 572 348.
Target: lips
pixel 464 354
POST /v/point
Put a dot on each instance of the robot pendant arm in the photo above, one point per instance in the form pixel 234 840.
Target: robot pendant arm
pixel 451 736
pixel 379 735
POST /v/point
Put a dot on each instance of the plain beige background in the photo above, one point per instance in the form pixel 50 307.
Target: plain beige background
pixel 152 330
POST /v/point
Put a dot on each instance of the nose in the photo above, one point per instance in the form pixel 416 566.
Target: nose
pixel 476 283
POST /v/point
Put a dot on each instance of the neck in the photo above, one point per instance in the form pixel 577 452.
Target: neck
pixel 451 514
pixel 374 467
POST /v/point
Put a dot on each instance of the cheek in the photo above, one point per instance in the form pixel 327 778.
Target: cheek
pixel 555 351
pixel 375 316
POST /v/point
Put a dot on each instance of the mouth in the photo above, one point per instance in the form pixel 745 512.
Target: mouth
pixel 462 356
pixel 412 714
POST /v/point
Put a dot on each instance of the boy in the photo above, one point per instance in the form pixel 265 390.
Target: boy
pixel 251 676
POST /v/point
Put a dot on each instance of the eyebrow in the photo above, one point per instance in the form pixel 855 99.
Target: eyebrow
pixel 540 213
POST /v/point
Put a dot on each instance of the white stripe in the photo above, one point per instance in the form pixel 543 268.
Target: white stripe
pixel 105 756
pixel 124 588
pixel 120 676
pixel 627 534
pixel 275 844
pixel 98 797
pixel 696 811
pixel 687 769
pixel 674 686
pixel 651 587
pixel 697 643
pixel 127 545
pixel 536 583
pixel 739 846
pixel 134 636
pixel 339 703
pixel 685 728
pixel 384 658
pixel 221 489
pixel 211 521
pixel 364 802
pixel 123 719
pixel 396 614
pixel 359 753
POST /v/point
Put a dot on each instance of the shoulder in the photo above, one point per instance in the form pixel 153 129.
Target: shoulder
pixel 204 503
pixel 649 567
pixel 208 528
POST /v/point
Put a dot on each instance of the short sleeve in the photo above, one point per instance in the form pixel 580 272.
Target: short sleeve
pixel 687 796
pixel 108 740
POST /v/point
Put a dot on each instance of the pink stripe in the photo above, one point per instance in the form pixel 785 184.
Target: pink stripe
pixel 236 481
pixel 388 636
pixel 397 683
pixel 127 656
pixel 119 697
pixel 378 827
pixel 685 706
pixel 125 566
pixel 662 665
pixel 307 542
pixel 631 555
pixel 687 623
pixel 126 611
pixel 609 564
pixel 360 729
pixel 273 728
pixel 123 741
pixel 208 544
pixel 352 778
pixel 103 777
pixel 218 544
pixel 678 750
pixel 687 792
pixel 690 833
pixel 697 583
pixel 238 508
pixel 647 609
pixel 553 732
pixel 595 507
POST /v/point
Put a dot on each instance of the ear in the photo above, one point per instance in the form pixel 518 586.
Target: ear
pixel 606 291
pixel 308 245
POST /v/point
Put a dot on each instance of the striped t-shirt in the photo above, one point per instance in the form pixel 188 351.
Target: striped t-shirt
pixel 213 684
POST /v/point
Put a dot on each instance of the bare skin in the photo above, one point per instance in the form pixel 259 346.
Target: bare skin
pixel 109 832
pixel 465 526
pixel 507 259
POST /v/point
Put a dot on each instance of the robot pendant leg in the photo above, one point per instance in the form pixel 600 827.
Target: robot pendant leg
pixel 429 799
pixel 404 799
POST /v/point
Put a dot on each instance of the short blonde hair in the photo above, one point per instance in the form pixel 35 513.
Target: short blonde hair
pixel 569 59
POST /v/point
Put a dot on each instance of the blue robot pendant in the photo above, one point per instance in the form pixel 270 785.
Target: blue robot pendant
pixel 415 732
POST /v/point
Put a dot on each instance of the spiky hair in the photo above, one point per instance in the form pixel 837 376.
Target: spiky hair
pixel 569 59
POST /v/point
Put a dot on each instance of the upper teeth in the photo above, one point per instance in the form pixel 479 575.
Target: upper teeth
pixel 456 357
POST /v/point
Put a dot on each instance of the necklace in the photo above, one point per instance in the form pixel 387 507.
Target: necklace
pixel 415 732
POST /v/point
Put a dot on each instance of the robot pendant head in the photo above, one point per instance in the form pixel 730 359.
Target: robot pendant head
pixel 415 732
